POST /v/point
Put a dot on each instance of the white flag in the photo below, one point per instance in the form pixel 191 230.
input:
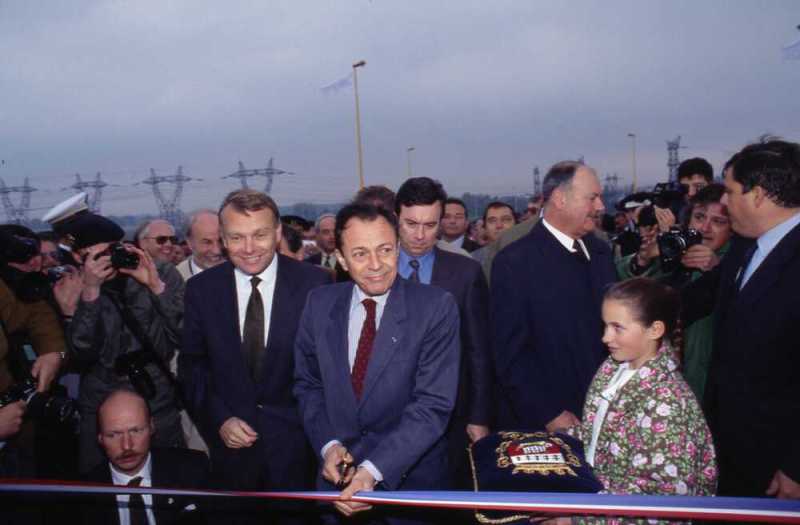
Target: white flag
pixel 335 87
pixel 792 51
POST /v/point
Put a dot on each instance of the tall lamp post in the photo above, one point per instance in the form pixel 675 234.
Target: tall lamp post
pixel 408 158
pixel 633 158
pixel 360 63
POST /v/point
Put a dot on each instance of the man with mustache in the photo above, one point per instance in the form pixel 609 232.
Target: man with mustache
pixel 546 294
pixel 124 431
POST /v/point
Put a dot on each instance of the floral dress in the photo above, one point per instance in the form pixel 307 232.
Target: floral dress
pixel 654 439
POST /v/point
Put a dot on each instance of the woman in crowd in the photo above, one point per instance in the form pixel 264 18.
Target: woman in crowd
pixel 642 429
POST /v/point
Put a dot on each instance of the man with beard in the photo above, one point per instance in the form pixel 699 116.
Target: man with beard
pixel 546 294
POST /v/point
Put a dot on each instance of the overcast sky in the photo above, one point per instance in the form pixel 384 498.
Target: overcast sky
pixel 484 91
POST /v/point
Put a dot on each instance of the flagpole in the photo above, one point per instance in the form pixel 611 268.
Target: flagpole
pixel 358 64
pixel 408 158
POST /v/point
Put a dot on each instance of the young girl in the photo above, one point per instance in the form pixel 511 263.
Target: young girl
pixel 642 428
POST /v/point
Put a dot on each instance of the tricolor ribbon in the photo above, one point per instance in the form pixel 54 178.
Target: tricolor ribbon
pixel 675 507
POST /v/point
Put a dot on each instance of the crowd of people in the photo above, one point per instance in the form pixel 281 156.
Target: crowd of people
pixel 368 349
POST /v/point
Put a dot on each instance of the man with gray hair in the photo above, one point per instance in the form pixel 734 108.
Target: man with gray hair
pixel 203 237
pixel 157 238
pixel 546 294
pixel 325 242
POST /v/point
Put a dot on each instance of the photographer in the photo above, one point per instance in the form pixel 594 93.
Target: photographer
pixel 708 216
pixel 126 325
pixel 22 314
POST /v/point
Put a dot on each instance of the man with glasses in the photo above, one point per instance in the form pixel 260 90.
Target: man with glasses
pixel 124 430
pixel 157 238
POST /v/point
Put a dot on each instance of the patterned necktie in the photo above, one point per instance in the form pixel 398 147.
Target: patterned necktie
pixel 253 337
pixel 414 277
pixel 136 504
pixel 364 349
pixel 578 252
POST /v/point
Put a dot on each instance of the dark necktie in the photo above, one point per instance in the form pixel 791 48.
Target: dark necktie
pixel 748 256
pixel 253 337
pixel 578 252
pixel 136 504
pixel 364 349
pixel 414 277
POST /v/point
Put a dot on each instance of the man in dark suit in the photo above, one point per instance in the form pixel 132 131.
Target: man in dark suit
pixel 325 257
pixel 419 205
pixel 376 367
pixel 237 360
pixel 546 294
pixel 455 225
pixel 752 397
pixel 124 431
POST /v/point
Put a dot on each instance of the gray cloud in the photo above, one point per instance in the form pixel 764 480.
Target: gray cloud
pixel 483 90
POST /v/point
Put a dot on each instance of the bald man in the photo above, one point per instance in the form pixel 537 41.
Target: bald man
pixel 203 237
pixel 157 238
pixel 125 428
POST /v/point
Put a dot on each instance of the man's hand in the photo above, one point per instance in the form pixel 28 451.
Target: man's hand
pixel 96 271
pixel 235 433
pixel 564 420
pixel 665 218
pixel 146 273
pixel 476 432
pixel 45 369
pixel 67 291
pixel 362 481
pixel 11 419
pixel 700 257
pixel 334 457
pixel 648 248
pixel 783 487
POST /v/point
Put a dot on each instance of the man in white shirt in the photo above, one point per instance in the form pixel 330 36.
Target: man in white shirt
pixel 124 431
pixel 377 368
pixel 237 361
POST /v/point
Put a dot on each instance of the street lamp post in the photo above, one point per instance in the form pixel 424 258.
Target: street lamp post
pixel 633 158
pixel 408 158
pixel 360 63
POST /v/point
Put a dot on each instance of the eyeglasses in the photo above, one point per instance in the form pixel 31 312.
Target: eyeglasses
pixel 162 239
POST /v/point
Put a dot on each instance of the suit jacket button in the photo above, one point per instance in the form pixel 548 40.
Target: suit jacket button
pixel 260 406
pixel 364 432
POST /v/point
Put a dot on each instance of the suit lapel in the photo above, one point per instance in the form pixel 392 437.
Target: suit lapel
pixel 281 297
pixel 337 340
pixel 596 276
pixel 229 307
pixel 770 269
pixel 388 338
pixel 439 275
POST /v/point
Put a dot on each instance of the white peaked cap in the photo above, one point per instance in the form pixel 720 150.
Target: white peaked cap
pixel 66 209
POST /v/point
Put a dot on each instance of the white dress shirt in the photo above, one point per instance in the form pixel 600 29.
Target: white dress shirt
pixel 120 478
pixel 358 314
pixel 565 239
pixel 266 288
pixel 327 260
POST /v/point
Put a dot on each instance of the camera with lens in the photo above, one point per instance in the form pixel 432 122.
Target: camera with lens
pixel 120 257
pixel 53 408
pixel 134 366
pixel 672 245
pixel 668 195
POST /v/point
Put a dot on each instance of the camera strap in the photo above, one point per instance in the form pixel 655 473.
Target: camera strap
pixel 147 346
